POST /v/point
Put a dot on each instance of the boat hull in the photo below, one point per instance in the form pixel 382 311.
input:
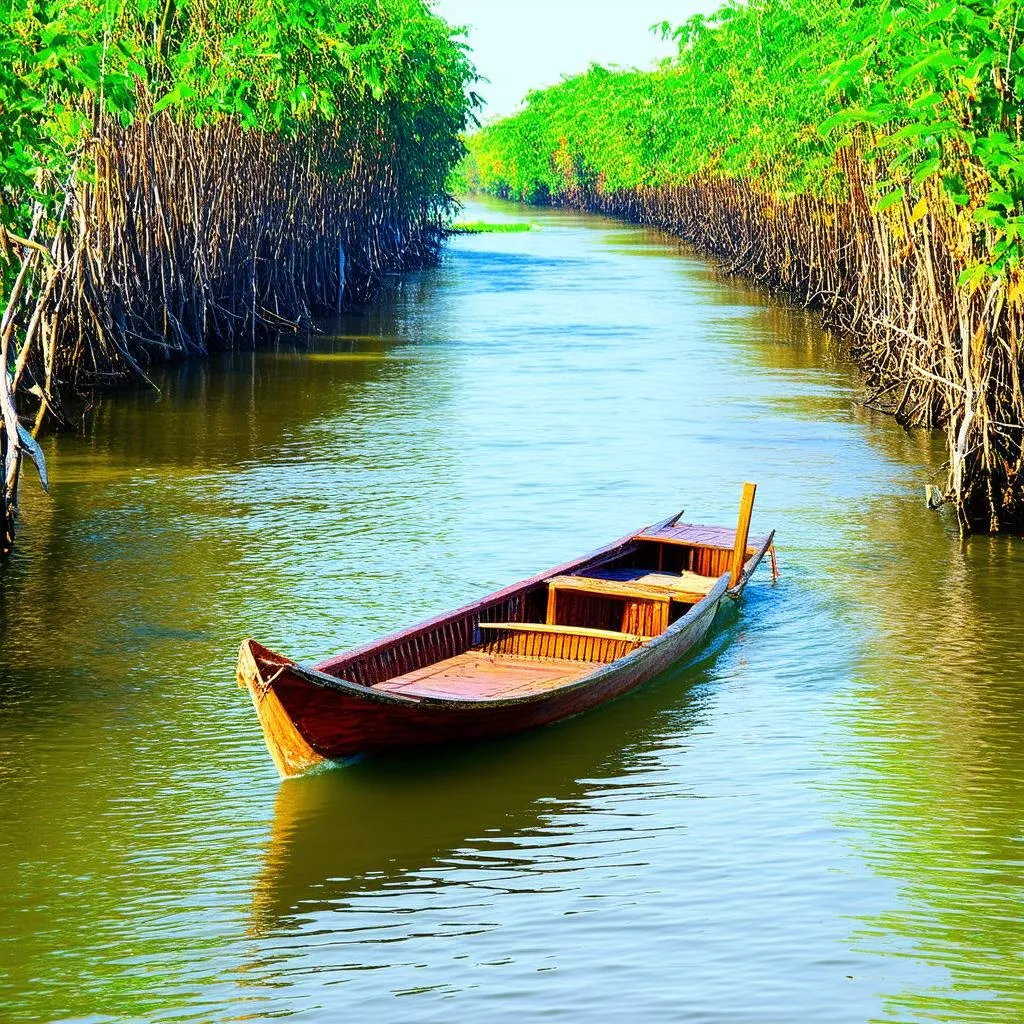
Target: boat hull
pixel 308 719
pixel 514 660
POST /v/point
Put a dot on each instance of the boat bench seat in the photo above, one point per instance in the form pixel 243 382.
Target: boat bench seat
pixel 646 596
pixel 568 643
pixel 721 538
pixel 642 584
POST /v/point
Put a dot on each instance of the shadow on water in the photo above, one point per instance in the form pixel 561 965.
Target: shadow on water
pixel 377 824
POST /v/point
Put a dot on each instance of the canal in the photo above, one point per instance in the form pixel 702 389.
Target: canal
pixel 820 817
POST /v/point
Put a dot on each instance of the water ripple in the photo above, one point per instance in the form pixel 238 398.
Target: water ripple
pixel 819 818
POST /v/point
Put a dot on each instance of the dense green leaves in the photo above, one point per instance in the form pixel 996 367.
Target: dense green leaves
pixel 772 89
pixel 389 75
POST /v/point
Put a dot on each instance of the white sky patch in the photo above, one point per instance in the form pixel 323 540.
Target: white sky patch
pixel 529 44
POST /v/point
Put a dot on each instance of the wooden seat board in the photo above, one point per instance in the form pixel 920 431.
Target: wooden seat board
pixel 475 675
pixel 685 583
pixel 653 586
pixel 547 627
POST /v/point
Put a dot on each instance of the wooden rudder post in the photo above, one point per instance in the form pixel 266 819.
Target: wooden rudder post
pixel 739 552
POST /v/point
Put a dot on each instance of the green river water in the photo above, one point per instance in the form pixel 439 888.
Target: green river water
pixel 818 818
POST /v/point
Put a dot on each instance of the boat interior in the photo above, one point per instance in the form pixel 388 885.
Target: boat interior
pixel 554 629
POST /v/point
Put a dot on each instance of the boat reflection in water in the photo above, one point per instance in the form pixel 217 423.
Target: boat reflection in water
pixel 383 824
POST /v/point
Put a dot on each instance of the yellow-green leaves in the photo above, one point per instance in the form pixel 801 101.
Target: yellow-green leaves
pixel 389 72
pixel 773 89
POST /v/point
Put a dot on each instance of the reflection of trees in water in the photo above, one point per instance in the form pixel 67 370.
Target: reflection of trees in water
pixel 813 377
pixel 128 750
pixel 934 770
pixel 227 452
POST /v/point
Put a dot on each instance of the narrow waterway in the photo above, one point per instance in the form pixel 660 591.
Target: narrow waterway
pixel 820 818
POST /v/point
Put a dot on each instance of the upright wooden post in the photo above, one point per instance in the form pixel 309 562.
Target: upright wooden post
pixel 552 615
pixel 739 552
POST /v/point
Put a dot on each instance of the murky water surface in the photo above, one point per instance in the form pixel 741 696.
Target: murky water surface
pixel 818 819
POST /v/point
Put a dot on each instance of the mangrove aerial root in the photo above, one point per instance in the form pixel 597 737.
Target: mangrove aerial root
pixel 866 158
pixel 935 354
pixel 233 171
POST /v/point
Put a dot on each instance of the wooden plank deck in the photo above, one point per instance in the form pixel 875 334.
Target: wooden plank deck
pixel 475 675
pixel 693 535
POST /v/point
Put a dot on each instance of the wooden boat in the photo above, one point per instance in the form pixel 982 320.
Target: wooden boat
pixel 541 650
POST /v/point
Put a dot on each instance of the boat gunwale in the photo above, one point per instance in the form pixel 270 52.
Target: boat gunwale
pixel 482 603
pixel 709 605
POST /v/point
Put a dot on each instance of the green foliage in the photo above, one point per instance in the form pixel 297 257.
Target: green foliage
pixel 770 91
pixel 389 75
pixel 482 227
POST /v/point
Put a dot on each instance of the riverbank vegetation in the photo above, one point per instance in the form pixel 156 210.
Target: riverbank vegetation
pixel 866 158
pixel 483 227
pixel 182 174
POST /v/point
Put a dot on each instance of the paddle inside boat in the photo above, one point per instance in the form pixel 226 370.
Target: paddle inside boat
pixel 541 650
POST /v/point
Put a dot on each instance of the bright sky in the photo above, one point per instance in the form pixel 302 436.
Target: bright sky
pixel 527 44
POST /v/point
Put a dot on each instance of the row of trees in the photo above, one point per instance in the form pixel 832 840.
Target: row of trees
pixel 865 156
pixel 176 174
